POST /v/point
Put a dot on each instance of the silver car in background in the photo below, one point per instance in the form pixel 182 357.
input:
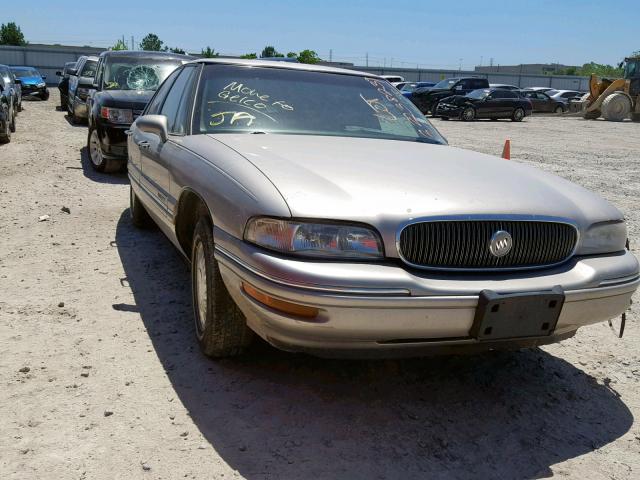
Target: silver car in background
pixel 80 87
pixel 320 210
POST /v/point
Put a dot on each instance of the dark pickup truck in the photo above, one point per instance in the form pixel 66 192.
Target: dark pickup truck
pixel 124 83
pixel 426 99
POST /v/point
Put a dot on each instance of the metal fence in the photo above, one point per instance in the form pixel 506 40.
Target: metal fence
pixel 559 82
pixel 50 58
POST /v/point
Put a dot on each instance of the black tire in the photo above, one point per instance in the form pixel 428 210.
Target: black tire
pixel 44 95
pixel 139 215
pixel 221 327
pixel 12 127
pixel 518 114
pixel 444 118
pixel 96 157
pixel 64 100
pixel 20 106
pixel 5 134
pixel 468 114
pixel 558 109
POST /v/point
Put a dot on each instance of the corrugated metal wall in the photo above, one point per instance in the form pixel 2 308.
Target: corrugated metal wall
pixel 46 58
pixel 49 58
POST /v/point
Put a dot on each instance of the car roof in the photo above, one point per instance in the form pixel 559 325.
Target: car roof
pixel 22 67
pixel 283 65
pixel 146 54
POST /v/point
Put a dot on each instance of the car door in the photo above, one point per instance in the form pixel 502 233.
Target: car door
pixel 73 82
pixel 492 105
pixel 136 138
pixel 544 103
pixel 155 155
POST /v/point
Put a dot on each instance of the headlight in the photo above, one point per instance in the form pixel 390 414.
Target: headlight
pixel 605 237
pixel 117 115
pixel 314 239
pixel 41 84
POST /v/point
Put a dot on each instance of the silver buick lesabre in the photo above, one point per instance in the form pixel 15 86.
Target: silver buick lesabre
pixel 320 210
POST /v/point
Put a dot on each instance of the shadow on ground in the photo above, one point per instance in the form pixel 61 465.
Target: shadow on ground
pixel 277 415
pixel 119 178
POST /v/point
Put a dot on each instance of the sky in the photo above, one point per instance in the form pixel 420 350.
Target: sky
pixel 431 34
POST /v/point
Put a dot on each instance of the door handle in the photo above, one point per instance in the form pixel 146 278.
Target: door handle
pixel 143 145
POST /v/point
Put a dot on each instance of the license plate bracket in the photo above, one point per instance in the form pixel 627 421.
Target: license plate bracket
pixel 517 315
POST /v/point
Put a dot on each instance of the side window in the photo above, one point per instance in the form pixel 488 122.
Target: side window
pixel 88 69
pixel 465 84
pixel 479 83
pixel 99 71
pixel 178 97
pixel 497 94
pixel 156 101
pixel 509 94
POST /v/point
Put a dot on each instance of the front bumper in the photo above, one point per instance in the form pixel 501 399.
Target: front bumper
pixel 33 90
pixel 447 110
pixel 386 310
pixel 113 139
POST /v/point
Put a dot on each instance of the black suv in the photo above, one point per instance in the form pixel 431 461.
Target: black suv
pixel 63 83
pixel 426 99
pixel 124 83
pixel 7 105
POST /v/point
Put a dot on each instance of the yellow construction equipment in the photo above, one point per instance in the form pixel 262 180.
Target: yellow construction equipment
pixel 615 100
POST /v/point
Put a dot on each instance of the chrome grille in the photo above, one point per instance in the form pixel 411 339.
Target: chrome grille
pixel 464 244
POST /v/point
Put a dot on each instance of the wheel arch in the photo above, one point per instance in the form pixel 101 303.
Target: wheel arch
pixel 189 208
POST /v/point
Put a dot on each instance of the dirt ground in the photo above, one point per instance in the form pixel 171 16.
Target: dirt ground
pixel 101 378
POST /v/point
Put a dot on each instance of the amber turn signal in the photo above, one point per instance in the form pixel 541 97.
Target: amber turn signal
pixel 280 305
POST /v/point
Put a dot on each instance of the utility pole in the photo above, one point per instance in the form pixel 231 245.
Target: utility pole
pixel 391 64
pixel 132 47
pixel 367 58
pixel 481 58
pixel 460 66
pixel 331 55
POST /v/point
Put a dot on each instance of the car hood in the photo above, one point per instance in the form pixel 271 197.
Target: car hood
pixel 133 99
pixel 31 80
pixel 383 182
pixel 458 100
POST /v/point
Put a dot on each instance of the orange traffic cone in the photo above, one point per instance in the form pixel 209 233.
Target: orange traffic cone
pixel 506 151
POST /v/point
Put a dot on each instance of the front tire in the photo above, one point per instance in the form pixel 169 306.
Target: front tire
pixel 12 127
pixel 434 107
pixel 558 109
pixel 96 157
pixel 45 95
pixel 139 215
pixel 221 328
pixel 5 135
pixel 616 107
pixel 517 115
pixel 468 114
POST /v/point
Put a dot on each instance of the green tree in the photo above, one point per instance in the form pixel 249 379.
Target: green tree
pixel 10 34
pixel 120 45
pixel 209 53
pixel 177 50
pixel 249 56
pixel 292 55
pixel 270 52
pixel 600 70
pixel 308 56
pixel 152 43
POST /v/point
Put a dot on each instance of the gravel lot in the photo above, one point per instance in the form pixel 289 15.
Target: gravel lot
pixel 100 375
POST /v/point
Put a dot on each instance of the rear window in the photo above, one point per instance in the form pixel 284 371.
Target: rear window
pixel 240 99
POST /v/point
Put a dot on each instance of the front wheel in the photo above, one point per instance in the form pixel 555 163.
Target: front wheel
pixel 468 114
pixel 97 158
pixel 434 107
pixel 45 95
pixel 559 109
pixel 13 122
pixel 518 115
pixel 221 328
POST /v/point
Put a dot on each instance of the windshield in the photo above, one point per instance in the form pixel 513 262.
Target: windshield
pixel 478 94
pixel 89 69
pixel 238 99
pixel 26 73
pixel 446 83
pixel 136 73
pixel 551 93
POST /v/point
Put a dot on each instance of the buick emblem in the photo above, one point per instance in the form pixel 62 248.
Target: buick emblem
pixel 500 243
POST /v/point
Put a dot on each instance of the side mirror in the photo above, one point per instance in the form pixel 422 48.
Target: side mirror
pixel 73 71
pixel 156 124
pixel 44 77
pixel 18 81
pixel 58 73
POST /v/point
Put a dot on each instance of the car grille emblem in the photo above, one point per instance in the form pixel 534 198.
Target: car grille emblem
pixel 500 243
